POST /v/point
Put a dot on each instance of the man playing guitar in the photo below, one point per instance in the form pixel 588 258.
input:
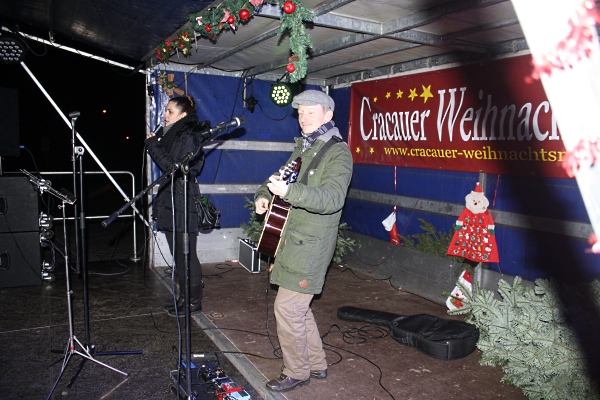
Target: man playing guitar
pixel 309 238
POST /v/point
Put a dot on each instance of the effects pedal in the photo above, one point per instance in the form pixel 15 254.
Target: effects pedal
pixel 225 388
pixel 207 380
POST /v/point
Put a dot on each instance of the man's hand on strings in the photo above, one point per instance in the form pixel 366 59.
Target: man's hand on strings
pixel 261 205
pixel 277 186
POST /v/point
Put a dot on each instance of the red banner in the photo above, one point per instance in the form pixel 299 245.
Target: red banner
pixel 477 118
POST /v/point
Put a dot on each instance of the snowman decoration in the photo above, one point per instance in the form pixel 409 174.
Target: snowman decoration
pixel 474 239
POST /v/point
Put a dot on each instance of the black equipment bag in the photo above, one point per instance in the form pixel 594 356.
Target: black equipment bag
pixel 208 215
pixel 440 338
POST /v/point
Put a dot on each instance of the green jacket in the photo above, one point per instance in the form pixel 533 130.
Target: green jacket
pixel 309 238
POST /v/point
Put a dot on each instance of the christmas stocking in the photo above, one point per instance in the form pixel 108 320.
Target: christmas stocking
pixel 454 301
pixel 390 225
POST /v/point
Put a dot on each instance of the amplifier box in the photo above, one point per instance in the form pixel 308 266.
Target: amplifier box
pixel 248 256
pixel 19 206
pixel 20 259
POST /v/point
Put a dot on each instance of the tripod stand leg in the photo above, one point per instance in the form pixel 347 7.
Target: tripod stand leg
pixel 87 355
pixel 68 356
pixel 73 342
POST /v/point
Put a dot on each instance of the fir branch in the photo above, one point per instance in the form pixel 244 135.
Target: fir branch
pixel 527 334
pixel 227 16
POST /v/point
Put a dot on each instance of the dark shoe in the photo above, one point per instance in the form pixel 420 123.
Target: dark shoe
pixel 313 374
pixel 195 308
pixel 170 306
pixel 318 374
pixel 196 293
pixel 283 383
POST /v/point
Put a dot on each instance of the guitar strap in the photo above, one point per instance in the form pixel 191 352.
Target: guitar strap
pixel 317 160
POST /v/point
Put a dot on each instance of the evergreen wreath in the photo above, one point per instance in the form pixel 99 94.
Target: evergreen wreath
pixel 229 14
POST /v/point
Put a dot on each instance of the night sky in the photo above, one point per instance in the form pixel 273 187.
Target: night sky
pixel 76 83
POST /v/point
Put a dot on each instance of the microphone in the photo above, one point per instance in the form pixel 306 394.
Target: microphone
pixel 159 125
pixel 235 122
pixel 74 114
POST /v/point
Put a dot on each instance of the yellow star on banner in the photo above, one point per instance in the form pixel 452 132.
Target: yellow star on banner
pixel 387 95
pixel 358 149
pixel 399 94
pixel 426 93
pixel 375 100
pixel 413 94
pixel 372 150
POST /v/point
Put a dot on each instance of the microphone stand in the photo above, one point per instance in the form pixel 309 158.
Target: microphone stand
pixel 72 342
pixel 74 115
pixel 77 153
pixel 182 165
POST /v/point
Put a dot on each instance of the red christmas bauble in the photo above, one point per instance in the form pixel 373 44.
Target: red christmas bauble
pixel 231 20
pixel 289 7
pixel 244 14
pixel 207 28
pixel 290 68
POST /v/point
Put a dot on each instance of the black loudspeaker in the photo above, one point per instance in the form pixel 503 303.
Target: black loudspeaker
pixel 9 121
pixel 20 259
pixel 19 205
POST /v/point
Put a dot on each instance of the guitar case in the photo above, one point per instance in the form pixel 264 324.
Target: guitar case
pixel 437 337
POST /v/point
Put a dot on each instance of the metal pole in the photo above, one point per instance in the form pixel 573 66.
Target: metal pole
pixel 84 144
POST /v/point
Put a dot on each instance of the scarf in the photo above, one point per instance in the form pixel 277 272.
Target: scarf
pixel 170 132
pixel 309 140
pixel 166 140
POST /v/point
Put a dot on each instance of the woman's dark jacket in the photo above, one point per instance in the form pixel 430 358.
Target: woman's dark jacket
pixel 167 149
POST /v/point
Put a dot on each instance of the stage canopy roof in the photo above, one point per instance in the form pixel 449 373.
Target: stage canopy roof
pixel 353 39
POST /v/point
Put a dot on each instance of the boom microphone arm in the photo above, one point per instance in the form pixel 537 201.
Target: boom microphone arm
pixel 217 129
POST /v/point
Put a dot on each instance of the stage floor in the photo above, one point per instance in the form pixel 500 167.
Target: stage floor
pixel 365 362
pixel 125 314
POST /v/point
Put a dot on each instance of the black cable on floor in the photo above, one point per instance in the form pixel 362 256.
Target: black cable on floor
pixel 362 338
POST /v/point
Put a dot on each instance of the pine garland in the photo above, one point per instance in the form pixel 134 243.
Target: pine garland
pixel 300 40
pixel 182 43
pixel 229 14
pixel 215 20
pixel 528 336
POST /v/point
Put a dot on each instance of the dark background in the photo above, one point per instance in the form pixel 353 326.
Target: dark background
pixel 111 101
pixel 76 83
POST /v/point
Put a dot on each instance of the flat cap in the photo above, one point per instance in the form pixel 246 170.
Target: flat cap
pixel 312 98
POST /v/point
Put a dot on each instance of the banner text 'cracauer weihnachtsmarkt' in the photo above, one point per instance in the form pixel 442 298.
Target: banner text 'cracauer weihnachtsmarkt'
pixel 476 118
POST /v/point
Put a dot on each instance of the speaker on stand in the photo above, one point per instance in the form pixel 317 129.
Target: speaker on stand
pixel 20 250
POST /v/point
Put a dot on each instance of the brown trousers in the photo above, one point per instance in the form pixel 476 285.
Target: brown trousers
pixel 298 334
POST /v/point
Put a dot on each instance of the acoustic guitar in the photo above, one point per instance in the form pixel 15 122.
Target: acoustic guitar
pixel 277 214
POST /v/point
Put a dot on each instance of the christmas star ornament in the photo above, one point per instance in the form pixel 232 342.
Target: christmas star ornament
pixel 166 82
